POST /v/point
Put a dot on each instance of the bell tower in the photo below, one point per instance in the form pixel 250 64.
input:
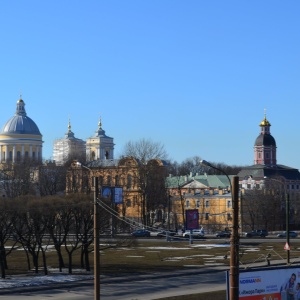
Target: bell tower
pixel 265 145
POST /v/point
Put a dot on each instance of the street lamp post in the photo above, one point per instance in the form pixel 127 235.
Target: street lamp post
pixel 96 237
pixel 234 239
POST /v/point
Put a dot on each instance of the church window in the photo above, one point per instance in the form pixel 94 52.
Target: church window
pixel 100 180
pixel 117 180
pixel 106 155
pixel 108 180
pixel 129 181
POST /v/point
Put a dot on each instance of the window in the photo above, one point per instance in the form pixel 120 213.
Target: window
pixel 187 203
pixel 206 203
pixel 228 204
pixel 10 155
pixel 117 180
pixel 128 203
pixel 18 155
pixel 108 180
pixel 100 180
pixel 198 203
pixel 129 182
pixel 228 217
pixel 206 216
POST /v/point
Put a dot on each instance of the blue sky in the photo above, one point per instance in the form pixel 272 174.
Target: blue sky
pixel 193 75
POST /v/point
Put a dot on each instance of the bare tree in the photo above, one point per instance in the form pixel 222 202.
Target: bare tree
pixel 145 150
pixel 150 175
pixel 51 179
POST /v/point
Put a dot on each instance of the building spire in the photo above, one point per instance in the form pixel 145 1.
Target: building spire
pixel 20 111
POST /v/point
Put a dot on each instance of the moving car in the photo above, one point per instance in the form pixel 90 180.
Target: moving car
pixel 165 232
pixel 292 234
pixel 197 233
pixel 223 234
pixel 140 233
pixel 257 233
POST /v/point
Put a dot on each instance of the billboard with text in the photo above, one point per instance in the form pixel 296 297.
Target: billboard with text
pixel 269 284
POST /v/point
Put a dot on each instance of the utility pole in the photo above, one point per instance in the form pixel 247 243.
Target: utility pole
pixel 234 241
pixel 96 243
pixel 287 226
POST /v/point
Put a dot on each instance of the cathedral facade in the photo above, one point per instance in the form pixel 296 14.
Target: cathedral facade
pixel 20 137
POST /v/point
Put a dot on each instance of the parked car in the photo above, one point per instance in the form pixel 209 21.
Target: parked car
pixel 140 233
pixel 197 233
pixel 165 232
pixel 292 234
pixel 257 233
pixel 223 234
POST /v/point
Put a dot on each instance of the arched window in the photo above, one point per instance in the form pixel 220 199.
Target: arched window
pixel 106 155
pixel 129 181
pixel 108 180
pixel 93 154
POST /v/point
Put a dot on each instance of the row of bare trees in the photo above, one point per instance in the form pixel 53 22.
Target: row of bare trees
pixel 38 224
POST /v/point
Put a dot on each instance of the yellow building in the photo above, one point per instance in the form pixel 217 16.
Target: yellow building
pixel 208 194
pixel 126 173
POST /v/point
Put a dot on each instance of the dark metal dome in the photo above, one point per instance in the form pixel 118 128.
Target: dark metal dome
pixel 265 140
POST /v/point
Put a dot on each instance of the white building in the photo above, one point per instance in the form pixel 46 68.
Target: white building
pixel 20 137
pixel 68 147
pixel 99 146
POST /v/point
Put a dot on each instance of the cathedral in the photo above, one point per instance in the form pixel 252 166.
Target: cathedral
pixel 265 164
pixel 20 137
pixel 97 147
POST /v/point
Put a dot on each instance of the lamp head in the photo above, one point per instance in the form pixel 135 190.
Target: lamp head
pixel 78 164
pixel 204 163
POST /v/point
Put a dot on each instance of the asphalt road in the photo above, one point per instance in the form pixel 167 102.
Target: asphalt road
pixel 143 287
pixel 71 291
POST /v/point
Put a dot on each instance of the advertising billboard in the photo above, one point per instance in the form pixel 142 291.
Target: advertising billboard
pixel 115 194
pixel 118 195
pixel 191 219
pixel 269 284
